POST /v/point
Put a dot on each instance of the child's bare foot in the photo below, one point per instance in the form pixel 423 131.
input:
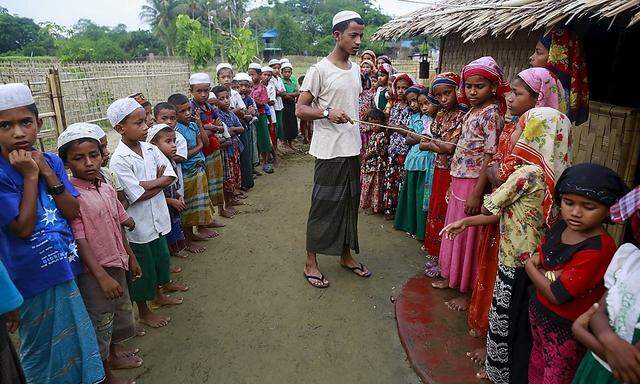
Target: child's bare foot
pixel 119 350
pixel 440 284
pixel 478 356
pixel 232 210
pixel 140 331
pixel 226 213
pixel 207 233
pixel 174 286
pixel 154 320
pixel 194 248
pixel 235 202
pixel 165 300
pixel 179 255
pixel 460 303
pixel 175 269
pixel 215 224
pixel 198 237
pixel 125 362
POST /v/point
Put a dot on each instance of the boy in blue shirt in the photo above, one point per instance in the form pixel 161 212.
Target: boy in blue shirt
pixel 37 201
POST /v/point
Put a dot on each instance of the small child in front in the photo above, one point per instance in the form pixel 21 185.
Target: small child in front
pixel 231 153
pixel 37 200
pixel 568 270
pixel 374 165
pixel 98 233
pixel 198 213
pixel 144 172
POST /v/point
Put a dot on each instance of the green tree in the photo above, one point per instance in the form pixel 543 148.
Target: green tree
pixel 161 16
pixel 16 32
pixel 242 48
pixel 192 42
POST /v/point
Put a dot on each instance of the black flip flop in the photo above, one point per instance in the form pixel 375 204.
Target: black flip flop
pixel 325 284
pixel 357 268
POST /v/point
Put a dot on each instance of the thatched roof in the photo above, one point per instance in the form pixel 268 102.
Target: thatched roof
pixel 476 18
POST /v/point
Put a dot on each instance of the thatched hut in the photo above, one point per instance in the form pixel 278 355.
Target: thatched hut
pixel 509 30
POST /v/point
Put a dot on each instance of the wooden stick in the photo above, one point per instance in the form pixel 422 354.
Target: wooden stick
pixel 406 131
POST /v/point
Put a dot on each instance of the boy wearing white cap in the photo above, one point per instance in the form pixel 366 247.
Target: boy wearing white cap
pixel 144 172
pixel 276 82
pixel 225 75
pixel 266 77
pixel 260 96
pixel 105 254
pixel 289 119
pixel 329 97
pixel 37 201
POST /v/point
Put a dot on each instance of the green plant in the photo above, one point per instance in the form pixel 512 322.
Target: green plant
pixel 192 42
pixel 242 48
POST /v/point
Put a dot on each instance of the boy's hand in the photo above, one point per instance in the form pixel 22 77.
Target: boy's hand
pixel 13 320
pixel 583 320
pixel 43 166
pixel 134 268
pixel 23 161
pixel 110 287
pixel 160 171
pixel 177 204
pixel 129 224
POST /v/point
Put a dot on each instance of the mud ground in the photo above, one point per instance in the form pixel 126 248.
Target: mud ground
pixel 250 317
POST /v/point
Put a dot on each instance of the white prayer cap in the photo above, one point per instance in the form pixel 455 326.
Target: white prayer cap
pixel 344 16
pixel 222 66
pixel 99 132
pixel 153 131
pixel 286 65
pixel 242 77
pixel 255 66
pixel 212 95
pixel 284 60
pixel 274 62
pixel 120 109
pixel 14 95
pixel 78 131
pixel 267 69
pixel 199 78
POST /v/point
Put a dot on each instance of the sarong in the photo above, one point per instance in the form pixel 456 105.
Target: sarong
pixel 196 197
pixel 556 354
pixel 410 217
pixel 289 120
pixel 371 193
pixel 509 336
pixel 428 181
pixel 457 258
pixel 332 226
pixel 58 342
pixel 264 140
pixel 246 158
pixel 437 210
pixel 10 369
pixel 215 177
pixel 488 247
pixel 232 176
pixel 280 124
pixel 393 178
pixel 153 258
pixel 254 138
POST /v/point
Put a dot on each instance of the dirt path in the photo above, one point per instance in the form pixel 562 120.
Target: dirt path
pixel 250 317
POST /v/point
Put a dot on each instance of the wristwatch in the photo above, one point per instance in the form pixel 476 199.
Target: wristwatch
pixel 56 189
pixel 325 113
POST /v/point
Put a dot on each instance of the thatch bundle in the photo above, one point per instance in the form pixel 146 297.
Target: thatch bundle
pixel 474 19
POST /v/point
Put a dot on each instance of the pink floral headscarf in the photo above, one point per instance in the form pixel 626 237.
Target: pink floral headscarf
pixel 488 68
pixel 547 86
pixel 402 76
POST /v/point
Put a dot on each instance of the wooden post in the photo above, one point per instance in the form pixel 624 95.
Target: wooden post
pixel 55 93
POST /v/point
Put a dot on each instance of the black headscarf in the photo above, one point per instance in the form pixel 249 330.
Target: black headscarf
pixel 592 181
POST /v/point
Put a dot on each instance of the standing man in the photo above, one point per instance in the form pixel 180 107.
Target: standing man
pixel 329 97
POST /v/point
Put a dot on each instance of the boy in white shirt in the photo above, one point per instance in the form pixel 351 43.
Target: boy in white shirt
pixel 144 172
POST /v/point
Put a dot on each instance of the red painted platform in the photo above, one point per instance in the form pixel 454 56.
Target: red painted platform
pixel 434 337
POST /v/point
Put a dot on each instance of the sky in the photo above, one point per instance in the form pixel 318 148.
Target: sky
pixel 114 12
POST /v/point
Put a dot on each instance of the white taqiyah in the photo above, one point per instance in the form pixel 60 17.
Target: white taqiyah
pixel 274 62
pixel 267 69
pixel 255 66
pixel 78 131
pixel 344 16
pixel 222 66
pixel 153 131
pixel 14 95
pixel 242 76
pixel 199 78
pixel 120 109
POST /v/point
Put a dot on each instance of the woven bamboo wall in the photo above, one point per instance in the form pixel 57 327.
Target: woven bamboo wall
pixel 611 137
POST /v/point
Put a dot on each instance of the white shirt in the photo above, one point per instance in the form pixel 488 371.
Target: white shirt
pixel 334 88
pixel 271 92
pixel 278 85
pixel 236 101
pixel 151 215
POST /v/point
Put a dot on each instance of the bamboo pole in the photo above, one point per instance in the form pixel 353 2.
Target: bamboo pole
pixel 406 131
